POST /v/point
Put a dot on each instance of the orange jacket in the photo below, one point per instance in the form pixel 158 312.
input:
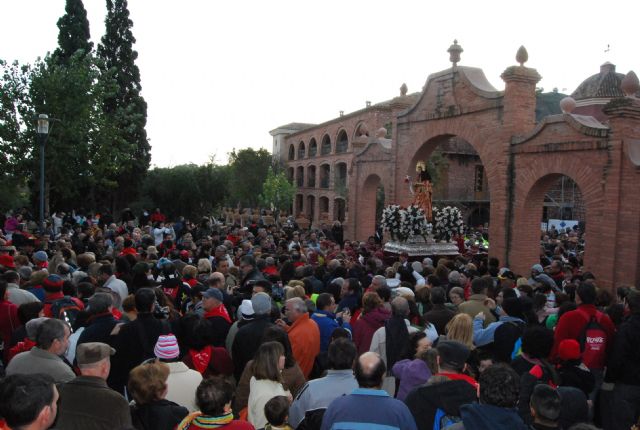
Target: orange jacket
pixel 304 336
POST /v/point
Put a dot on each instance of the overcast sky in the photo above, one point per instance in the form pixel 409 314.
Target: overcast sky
pixel 219 75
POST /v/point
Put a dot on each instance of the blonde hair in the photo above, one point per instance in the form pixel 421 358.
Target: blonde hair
pixel 460 328
pixel 204 266
pixel 147 382
pixel 192 271
pixel 295 291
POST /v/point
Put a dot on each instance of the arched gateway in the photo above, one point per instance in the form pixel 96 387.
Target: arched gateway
pixel 594 142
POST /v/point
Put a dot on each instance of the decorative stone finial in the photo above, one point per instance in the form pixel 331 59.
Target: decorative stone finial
pixel 630 84
pixel 403 90
pixel 381 133
pixel 454 52
pixel 522 55
pixel 567 104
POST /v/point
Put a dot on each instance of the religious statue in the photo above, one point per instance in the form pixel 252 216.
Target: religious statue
pixel 422 190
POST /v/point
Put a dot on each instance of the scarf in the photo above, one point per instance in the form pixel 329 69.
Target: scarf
pixel 198 421
pixel 201 358
pixel 219 311
pixel 397 340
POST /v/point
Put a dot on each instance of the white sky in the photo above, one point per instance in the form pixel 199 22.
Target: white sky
pixel 219 75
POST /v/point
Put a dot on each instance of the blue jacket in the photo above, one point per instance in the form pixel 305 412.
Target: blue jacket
pixel 484 336
pixel 367 409
pixel 327 323
pixel 480 417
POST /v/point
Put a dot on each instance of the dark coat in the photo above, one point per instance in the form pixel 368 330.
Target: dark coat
pixel 158 415
pixel 624 361
pixel 425 400
pixel 439 316
pixel 246 343
pixel 99 330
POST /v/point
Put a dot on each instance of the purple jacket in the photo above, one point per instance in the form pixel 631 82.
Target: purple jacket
pixel 411 373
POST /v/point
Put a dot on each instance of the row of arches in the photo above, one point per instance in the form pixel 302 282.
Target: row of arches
pixel 325 210
pixel 319 177
pixel 302 150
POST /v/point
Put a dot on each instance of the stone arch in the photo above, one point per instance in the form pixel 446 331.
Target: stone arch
pixel 301 150
pixel 292 152
pixel 325 147
pixel 313 147
pixel 366 225
pixel 360 129
pixel 300 176
pixel 342 142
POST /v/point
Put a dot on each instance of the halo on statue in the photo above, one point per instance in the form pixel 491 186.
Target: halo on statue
pixel 421 165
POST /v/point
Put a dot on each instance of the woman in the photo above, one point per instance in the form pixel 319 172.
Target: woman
pixel 292 376
pixel 266 381
pixel 213 397
pixel 456 295
pixel 460 328
pixel 413 370
pixel 148 387
pixel 373 317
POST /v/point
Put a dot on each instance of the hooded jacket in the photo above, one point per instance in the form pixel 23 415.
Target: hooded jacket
pixel 366 326
pixel 425 400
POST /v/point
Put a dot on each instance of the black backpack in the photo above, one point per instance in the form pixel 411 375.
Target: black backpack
pixel 65 309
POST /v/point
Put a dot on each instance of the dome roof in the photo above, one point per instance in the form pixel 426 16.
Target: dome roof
pixel 605 84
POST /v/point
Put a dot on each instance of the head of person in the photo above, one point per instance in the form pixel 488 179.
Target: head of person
pixel 452 355
pixel 513 307
pixel 632 300
pixel 94 359
pixel 370 302
pixel 166 348
pixel 145 299
pixel 370 370
pixel 295 308
pixel 261 304
pixel 341 354
pixel 276 333
pixel 418 343
pixel 499 386
pixel 276 411
pixel 456 295
pixel 211 299
pixel 214 396
pixel 204 265
pixel 437 295
pixel 100 303
pixel 537 342
pixel 545 405
pixel 478 286
pixel 52 335
pixel 460 328
pixel 269 361
pixel 586 293
pixel 400 307
pixel 378 281
pixel 247 264
pixel 28 401
pixel 326 302
pixel 148 382
pixel 262 286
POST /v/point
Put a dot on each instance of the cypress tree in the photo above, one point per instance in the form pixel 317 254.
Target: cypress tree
pixel 74 32
pixel 125 108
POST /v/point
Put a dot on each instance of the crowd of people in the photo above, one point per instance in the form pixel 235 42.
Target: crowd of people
pixel 149 324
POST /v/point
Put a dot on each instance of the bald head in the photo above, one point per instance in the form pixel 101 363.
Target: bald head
pixel 370 370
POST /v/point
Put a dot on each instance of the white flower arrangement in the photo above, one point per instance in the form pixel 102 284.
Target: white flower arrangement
pixel 404 223
pixel 447 222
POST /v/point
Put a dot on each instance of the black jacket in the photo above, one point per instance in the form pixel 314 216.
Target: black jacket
pixel 246 343
pixel 425 400
pixel 99 329
pixel 624 361
pixel 158 415
pixel 439 316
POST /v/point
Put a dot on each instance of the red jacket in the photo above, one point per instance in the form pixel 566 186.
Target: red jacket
pixel 366 326
pixel 9 322
pixel 52 297
pixel 572 323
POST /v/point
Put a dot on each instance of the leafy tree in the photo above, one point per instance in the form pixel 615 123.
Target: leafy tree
pixel 73 32
pixel 125 108
pixel 248 171
pixel 277 191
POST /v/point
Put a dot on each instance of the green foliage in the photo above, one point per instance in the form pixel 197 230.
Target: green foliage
pixel 73 32
pixel 277 191
pixel 248 171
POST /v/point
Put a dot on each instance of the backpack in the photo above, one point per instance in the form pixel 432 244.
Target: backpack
pixel 65 309
pixel 442 421
pixel 593 342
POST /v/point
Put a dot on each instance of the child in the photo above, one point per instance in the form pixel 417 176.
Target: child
pixel 276 411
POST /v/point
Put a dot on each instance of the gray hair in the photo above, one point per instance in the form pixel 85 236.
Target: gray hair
pixel 380 280
pixel 400 307
pixel 48 331
pixel 100 302
pixel 298 304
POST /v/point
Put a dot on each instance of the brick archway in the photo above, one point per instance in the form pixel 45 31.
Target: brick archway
pixel 366 225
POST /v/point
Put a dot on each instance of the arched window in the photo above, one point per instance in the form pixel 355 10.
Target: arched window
pixel 292 152
pixel 342 145
pixel 325 149
pixel 301 150
pixel 313 148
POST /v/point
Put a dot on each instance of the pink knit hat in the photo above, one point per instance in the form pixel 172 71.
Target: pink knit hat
pixel 167 347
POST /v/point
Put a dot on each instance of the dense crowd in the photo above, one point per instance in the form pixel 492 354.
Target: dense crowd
pixel 138 322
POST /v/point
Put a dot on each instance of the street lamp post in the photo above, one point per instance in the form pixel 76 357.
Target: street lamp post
pixel 43 131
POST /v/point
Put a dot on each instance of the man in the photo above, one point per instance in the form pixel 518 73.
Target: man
pixel 15 294
pixel 539 276
pixel 500 337
pixel 101 320
pixel 87 402
pixel 250 274
pixel 28 401
pixel 216 313
pixel 545 405
pixel 377 282
pixel 444 398
pixel 230 281
pixel 55 300
pixel 52 340
pixel 439 315
pixel 135 341
pixel 303 332
pixel 326 320
pixel 368 406
pixel 9 320
pixel 249 336
pixel 499 390
pixel 313 398
pixel 478 301
pixel 624 366
pixel 116 285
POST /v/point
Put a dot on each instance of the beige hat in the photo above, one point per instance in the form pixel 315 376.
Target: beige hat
pixel 92 352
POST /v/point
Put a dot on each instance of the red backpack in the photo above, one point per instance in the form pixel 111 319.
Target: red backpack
pixel 593 342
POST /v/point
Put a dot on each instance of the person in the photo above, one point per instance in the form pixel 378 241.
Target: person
pixel 311 402
pixel 201 356
pixel 15 294
pixel 372 318
pixel 478 302
pixel 101 320
pixel 500 337
pixel 182 382
pixel 414 370
pixel 303 332
pixel 52 340
pixel 460 328
pixel 109 280
pixel 216 313
pixel 250 274
pixel 545 405
pixel 28 401
pixel 87 402
pixel 453 389
pixel 247 340
pixel 423 190
pixel 368 406
pixel 498 395
pixel 439 315
pixel 266 381
pixel 9 320
pixel 571 369
pixel 213 398
pixel 135 341
pixel 276 411
pixel 624 366
pixel 327 320
pixel 148 387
